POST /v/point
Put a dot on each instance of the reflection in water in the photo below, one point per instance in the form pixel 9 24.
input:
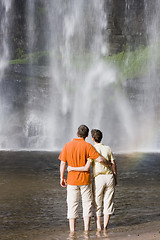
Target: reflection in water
pixel 33 205
pixel 89 235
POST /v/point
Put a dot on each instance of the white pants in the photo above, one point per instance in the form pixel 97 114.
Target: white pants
pixel 104 187
pixel 73 200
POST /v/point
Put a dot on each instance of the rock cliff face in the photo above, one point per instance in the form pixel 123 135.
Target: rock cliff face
pixel 126 27
pixel 18 27
pixel 126 24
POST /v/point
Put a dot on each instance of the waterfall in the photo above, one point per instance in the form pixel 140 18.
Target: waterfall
pixel 79 74
pixel 31 122
pixel 80 86
pixel 4 49
pixel 30 34
pixel 149 121
pixel 5 6
pixel 152 96
pixel 35 121
pixel 84 87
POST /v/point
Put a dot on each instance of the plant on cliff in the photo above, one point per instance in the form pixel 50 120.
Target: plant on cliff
pixel 135 64
pixel 129 64
pixel 36 58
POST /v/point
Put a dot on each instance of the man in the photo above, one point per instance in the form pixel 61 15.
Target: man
pixel 75 153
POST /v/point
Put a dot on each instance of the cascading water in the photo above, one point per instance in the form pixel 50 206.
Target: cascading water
pixel 81 87
pixel 30 33
pixel 75 64
pixel 147 113
pixel 152 85
pixel 5 6
pixel 144 110
pixel 82 82
pixel 32 124
pixel 84 87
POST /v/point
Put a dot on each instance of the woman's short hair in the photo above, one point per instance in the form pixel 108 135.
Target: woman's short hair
pixel 96 135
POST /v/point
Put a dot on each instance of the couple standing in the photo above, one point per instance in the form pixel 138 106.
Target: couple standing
pixel 79 155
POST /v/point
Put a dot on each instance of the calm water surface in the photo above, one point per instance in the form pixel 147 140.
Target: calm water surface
pixel 33 205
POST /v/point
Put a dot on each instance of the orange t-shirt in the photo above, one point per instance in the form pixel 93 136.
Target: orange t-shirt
pixel 75 153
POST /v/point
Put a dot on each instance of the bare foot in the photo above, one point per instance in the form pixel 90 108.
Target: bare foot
pixel 86 234
pixel 105 232
pixel 98 233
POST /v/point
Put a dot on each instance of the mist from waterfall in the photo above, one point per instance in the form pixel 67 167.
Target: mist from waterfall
pixel 151 92
pixel 84 88
pixel 143 116
pixel 148 119
pixel 76 50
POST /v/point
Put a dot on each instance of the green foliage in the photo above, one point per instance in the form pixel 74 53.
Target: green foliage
pixel 20 52
pixel 37 58
pixel 135 64
pixel 129 64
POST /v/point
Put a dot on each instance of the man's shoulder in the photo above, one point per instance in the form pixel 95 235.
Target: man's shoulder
pixel 78 142
pixel 69 143
pixel 75 141
pixel 89 145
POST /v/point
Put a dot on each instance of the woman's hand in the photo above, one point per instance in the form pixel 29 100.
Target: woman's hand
pixel 69 168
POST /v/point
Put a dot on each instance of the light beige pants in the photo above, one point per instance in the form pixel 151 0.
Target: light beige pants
pixel 73 200
pixel 104 187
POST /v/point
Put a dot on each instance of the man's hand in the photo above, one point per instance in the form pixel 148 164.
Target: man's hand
pixel 103 161
pixel 63 182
